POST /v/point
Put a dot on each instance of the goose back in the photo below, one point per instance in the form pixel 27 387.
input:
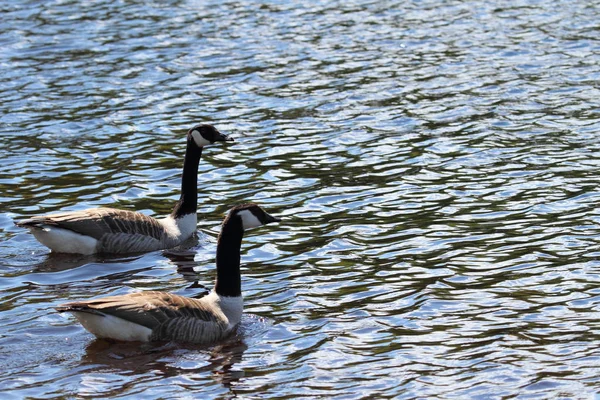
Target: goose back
pixel 115 231
pixel 153 316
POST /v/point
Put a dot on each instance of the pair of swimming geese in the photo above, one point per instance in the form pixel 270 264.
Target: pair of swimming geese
pixel 153 315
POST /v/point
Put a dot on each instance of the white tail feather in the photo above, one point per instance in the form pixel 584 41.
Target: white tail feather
pixel 64 241
pixel 108 326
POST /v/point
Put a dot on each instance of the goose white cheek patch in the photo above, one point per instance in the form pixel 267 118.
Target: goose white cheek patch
pixel 249 220
pixel 200 141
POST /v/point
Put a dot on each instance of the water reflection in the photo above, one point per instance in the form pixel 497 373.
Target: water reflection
pixel 183 260
pixel 56 262
pixel 168 359
pixel 164 357
pixel 438 162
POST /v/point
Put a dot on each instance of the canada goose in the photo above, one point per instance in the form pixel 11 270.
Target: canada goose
pixel 161 316
pixel 110 230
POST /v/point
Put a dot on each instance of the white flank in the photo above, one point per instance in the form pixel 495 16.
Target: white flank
pixel 200 141
pixel 64 241
pixel 180 228
pixel 108 326
pixel 249 220
pixel 231 307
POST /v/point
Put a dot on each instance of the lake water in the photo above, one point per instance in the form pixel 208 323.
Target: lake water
pixel 435 162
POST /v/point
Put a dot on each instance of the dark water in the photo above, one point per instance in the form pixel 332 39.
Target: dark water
pixel 436 163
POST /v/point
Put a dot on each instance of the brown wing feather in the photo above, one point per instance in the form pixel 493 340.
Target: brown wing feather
pixel 98 222
pixel 150 309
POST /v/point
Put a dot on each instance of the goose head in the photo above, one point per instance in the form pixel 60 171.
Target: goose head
pixel 203 135
pixel 252 215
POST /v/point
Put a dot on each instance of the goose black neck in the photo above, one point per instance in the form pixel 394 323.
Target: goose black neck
pixel 229 280
pixel 188 202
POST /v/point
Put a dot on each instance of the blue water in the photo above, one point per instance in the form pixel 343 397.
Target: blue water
pixel 435 164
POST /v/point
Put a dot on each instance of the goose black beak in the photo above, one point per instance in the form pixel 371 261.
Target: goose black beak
pixel 271 218
pixel 223 138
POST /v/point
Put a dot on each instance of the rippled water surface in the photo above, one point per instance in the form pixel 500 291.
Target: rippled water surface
pixel 435 162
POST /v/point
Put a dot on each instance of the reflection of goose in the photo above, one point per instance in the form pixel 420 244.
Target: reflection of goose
pixel 154 316
pixel 109 230
pixel 216 360
pixel 54 262
pixel 184 261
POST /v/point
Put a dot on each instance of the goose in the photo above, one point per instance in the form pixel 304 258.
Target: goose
pixel 110 230
pixel 161 316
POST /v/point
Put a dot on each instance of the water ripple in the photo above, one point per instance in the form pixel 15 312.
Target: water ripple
pixel 434 164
